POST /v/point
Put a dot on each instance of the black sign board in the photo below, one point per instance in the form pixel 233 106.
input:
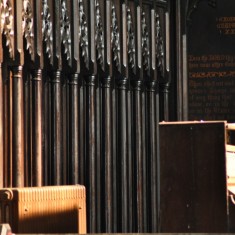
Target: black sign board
pixel 211 60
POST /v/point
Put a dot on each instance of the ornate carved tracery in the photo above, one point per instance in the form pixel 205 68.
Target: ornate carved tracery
pixel 194 5
pixel 159 45
pixel 28 25
pixel 83 32
pixel 99 34
pixel 130 39
pixel 65 30
pixel 7 23
pixel 47 29
pixel 145 43
pixel 115 37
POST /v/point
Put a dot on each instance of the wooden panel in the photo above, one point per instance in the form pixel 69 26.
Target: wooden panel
pixel 193 177
pixel 80 103
pixel 231 214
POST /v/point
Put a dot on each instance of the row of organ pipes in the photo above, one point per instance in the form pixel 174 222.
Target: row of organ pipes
pixel 83 86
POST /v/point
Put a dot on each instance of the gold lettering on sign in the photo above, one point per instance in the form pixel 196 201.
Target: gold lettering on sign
pixel 212 86
pixel 211 66
pixel 226 25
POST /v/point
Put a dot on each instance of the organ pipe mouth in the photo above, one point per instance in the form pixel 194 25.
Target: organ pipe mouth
pixel 6 195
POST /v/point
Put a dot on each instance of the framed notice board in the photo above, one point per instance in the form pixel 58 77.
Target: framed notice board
pixel 211 59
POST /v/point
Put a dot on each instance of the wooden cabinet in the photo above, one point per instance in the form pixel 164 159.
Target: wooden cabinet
pixel 230 160
pixel 192 176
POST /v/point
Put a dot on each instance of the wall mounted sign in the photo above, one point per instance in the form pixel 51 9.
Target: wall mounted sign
pixel 211 60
